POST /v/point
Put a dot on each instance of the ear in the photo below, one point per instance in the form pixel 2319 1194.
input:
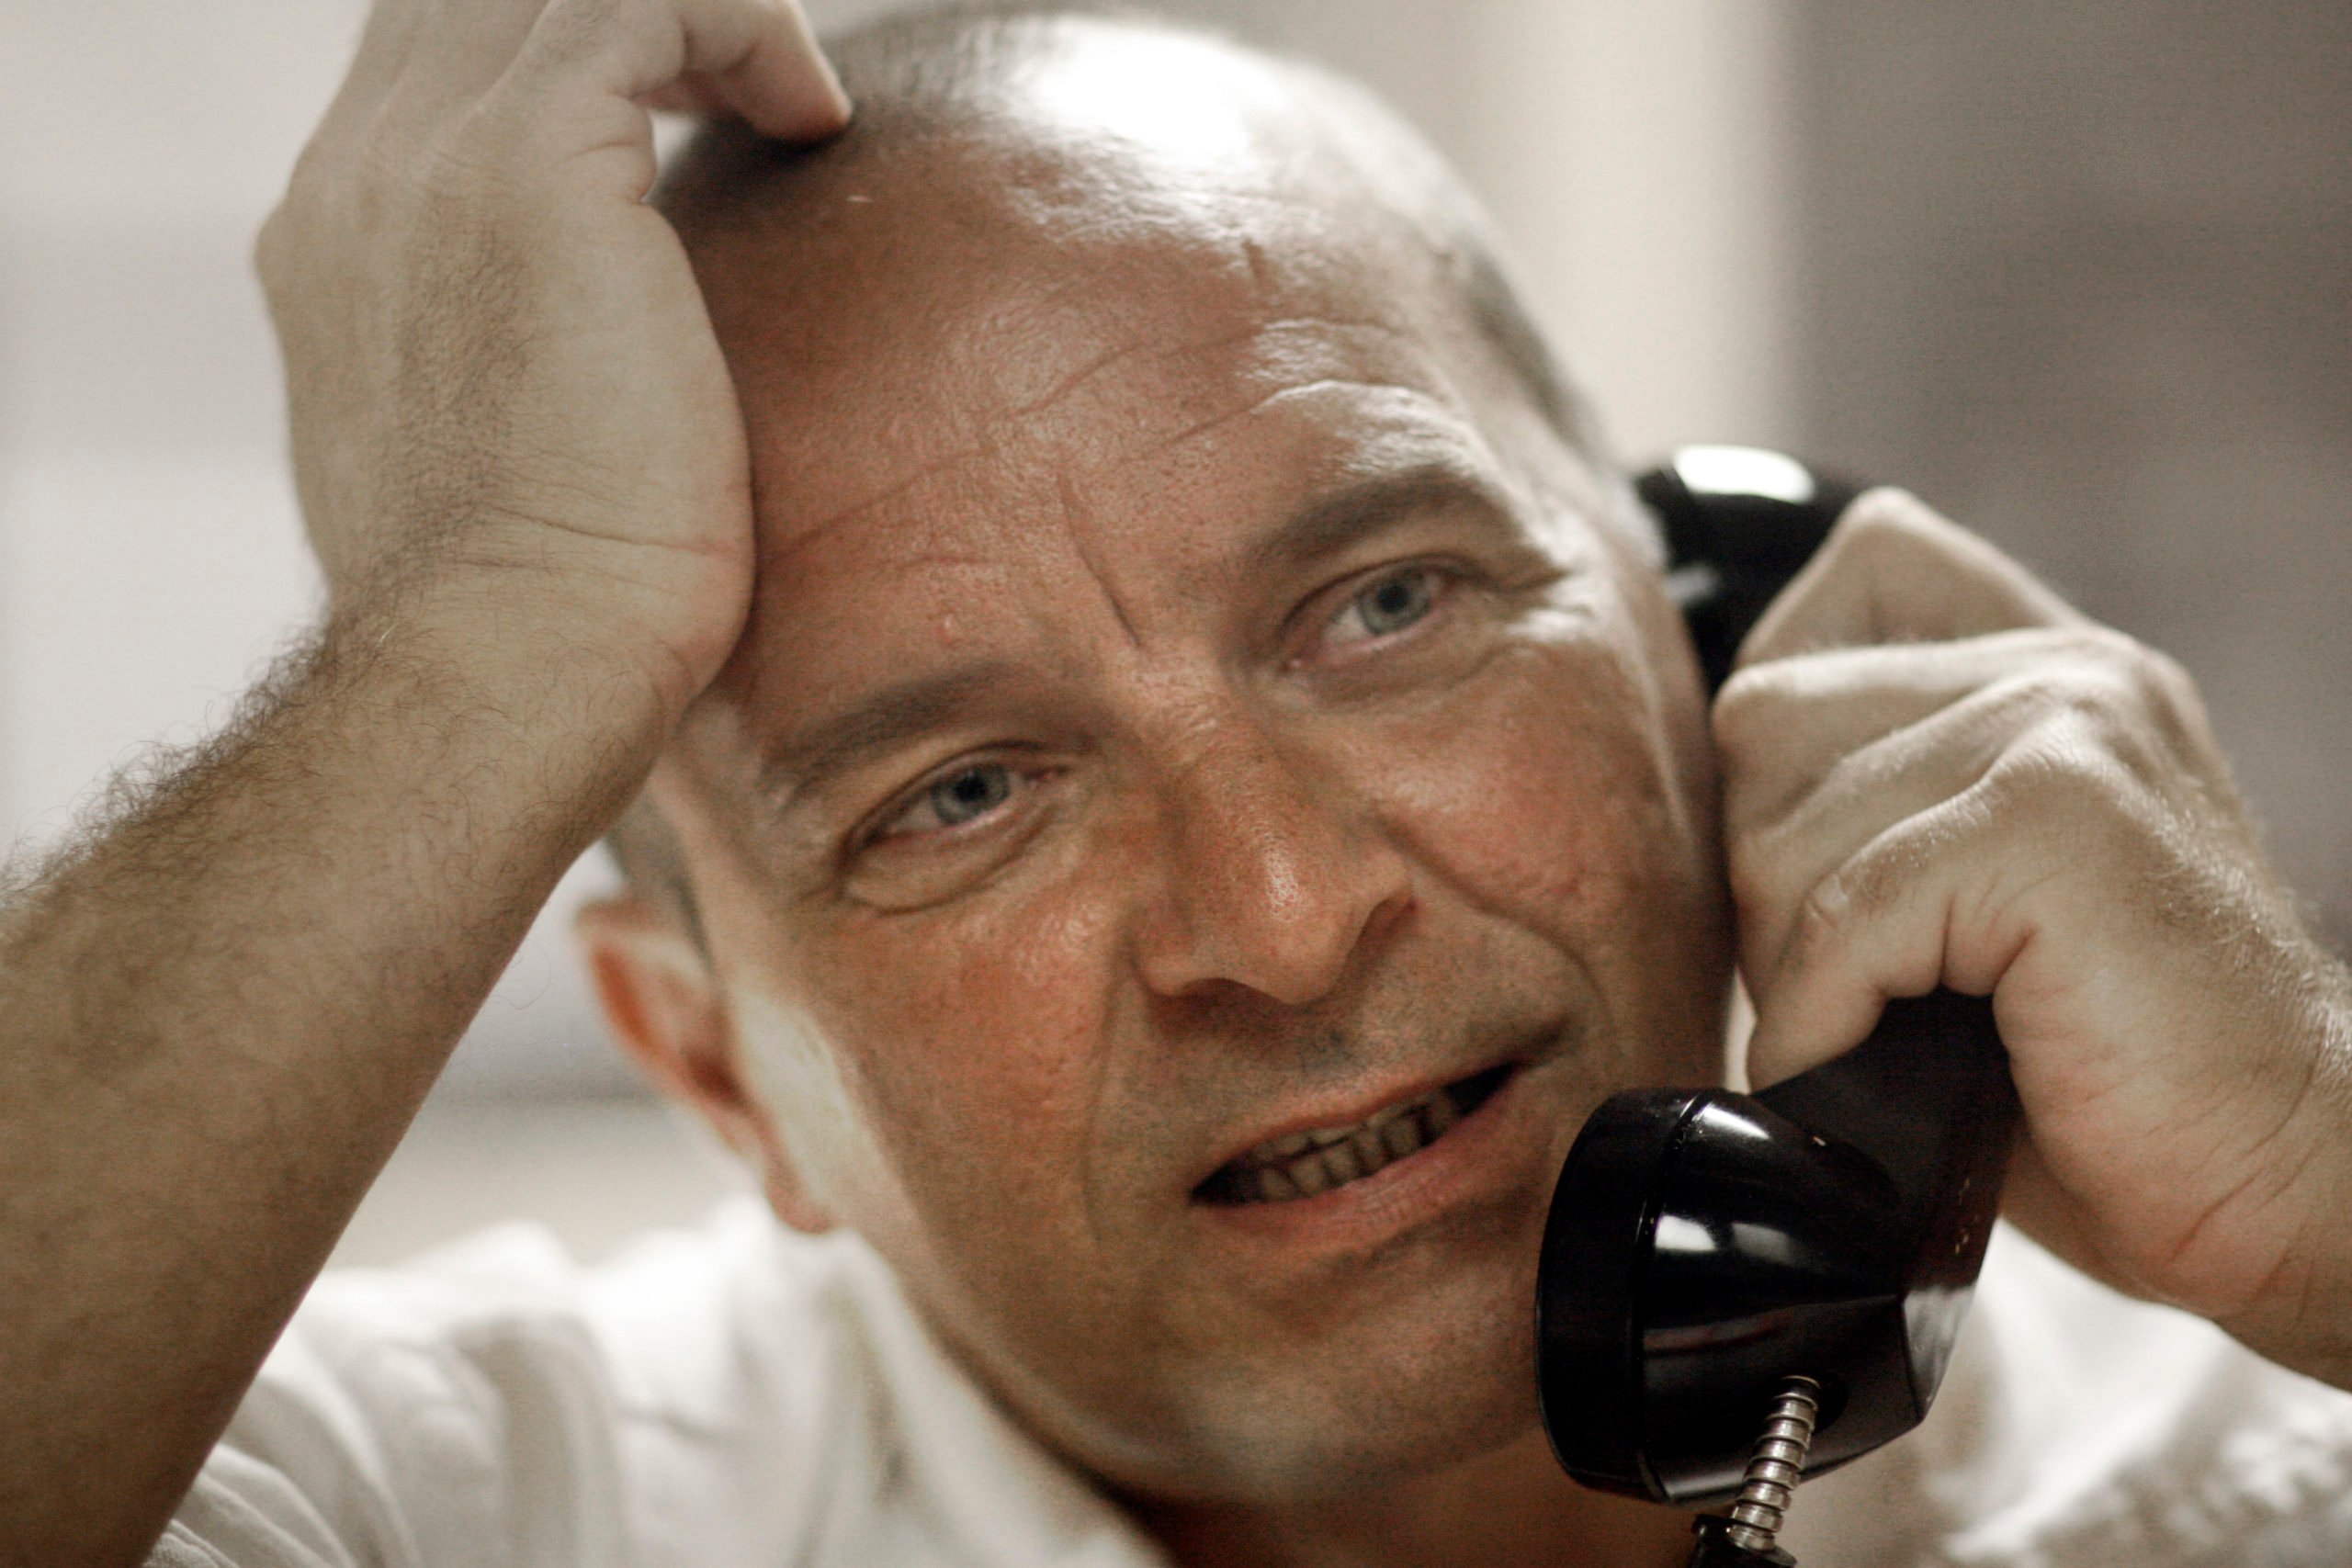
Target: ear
pixel 664 1004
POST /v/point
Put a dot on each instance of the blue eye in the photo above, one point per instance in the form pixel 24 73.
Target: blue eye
pixel 969 792
pixel 1396 602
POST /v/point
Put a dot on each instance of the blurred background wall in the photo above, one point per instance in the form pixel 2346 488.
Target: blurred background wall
pixel 2075 272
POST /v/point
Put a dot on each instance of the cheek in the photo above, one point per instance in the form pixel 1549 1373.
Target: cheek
pixel 1559 801
pixel 971 1044
pixel 1551 797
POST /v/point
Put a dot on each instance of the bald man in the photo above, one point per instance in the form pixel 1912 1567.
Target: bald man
pixel 1166 784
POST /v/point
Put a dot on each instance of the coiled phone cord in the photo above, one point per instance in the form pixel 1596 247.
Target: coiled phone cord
pixel 1747 1538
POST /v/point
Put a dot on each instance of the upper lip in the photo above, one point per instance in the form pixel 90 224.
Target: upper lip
pixel 1343 1108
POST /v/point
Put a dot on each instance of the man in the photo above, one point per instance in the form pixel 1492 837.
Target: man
pixel 1128 658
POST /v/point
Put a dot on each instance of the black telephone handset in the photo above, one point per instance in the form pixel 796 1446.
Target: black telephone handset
pixel 1738 1287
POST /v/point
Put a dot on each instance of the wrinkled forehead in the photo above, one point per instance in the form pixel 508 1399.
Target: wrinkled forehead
pixel 1114 334
pixel 1114 244
pixel 1005 403
pixel 1095 359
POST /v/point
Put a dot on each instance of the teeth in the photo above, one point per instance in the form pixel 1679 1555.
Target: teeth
pixel 1300 1164
pixel 1381 1125
pixel 1274 1184
pixel 1403 1135
pixel 1340 1160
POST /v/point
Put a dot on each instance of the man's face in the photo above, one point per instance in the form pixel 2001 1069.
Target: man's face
pixel 1190 701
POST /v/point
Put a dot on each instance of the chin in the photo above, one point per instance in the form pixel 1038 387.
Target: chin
pixel 1407 1436
pixel 1394 1403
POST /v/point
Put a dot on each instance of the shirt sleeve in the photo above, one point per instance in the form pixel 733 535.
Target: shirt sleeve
pixel 242 1512
pixel 456 1414
pixel 2081 1429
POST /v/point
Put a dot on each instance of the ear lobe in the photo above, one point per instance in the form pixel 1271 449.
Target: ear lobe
pixel 664 1005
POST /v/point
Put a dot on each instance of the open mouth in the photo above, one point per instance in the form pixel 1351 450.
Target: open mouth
pixel 1302 1165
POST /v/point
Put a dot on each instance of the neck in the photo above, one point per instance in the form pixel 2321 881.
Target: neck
pixel 1510 1508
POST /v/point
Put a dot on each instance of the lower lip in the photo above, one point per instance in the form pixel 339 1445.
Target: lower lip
pixel 1472 1159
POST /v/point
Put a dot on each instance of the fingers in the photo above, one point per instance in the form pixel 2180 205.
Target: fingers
pixel 1908 726
pixel 1827 822
pixel 384 47
pixel 384 44
pixel 1936 774
pixel 782 86
pixel 1782 726
pixel 688 95
pixel 463 48
pixel 1926 901
pixel 758 58
pixel 420 61
pixel 1859 774
pixel 1893 570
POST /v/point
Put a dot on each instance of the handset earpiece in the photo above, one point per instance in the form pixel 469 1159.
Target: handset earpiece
pixel 1738 521
pixel 1790 1266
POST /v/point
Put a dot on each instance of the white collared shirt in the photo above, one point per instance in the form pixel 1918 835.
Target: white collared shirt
pixel 739 1396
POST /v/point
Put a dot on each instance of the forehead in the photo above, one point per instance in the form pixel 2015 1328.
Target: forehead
pixel 945 303
pixel 972 372
pixel 1147 434
pixel 1113 192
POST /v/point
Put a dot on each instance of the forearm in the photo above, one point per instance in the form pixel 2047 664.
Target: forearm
pixel 217 1014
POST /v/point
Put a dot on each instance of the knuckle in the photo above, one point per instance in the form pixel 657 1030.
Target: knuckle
pixel 2168 696
pixel 2123 658
pixel 2083 693
pixel 1875 878
pixel 2109 696
pixel 463 160
pixel 2151 682
pixel 1850 896
pixel 1750 705
pixel 2067 775
pixel 281 233
pixel 1821 919
pixel 1755 802
pixel 1881 524
pixel 1879 517
pixel 2166 677
pixel 2086 671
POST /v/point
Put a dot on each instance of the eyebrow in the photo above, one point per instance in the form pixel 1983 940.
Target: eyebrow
pixel 898 712
pixel 1362 509
pixel 909 709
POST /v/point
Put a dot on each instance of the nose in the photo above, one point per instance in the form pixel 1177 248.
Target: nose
pixel 1272 873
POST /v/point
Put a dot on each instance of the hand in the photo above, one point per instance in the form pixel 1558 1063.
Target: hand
pixel 501 376
pixel 1937 773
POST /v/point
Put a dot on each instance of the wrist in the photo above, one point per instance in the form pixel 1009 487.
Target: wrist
pixel 504 709
pixel 2302 1319
pixel 514 595
pixel 513 651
